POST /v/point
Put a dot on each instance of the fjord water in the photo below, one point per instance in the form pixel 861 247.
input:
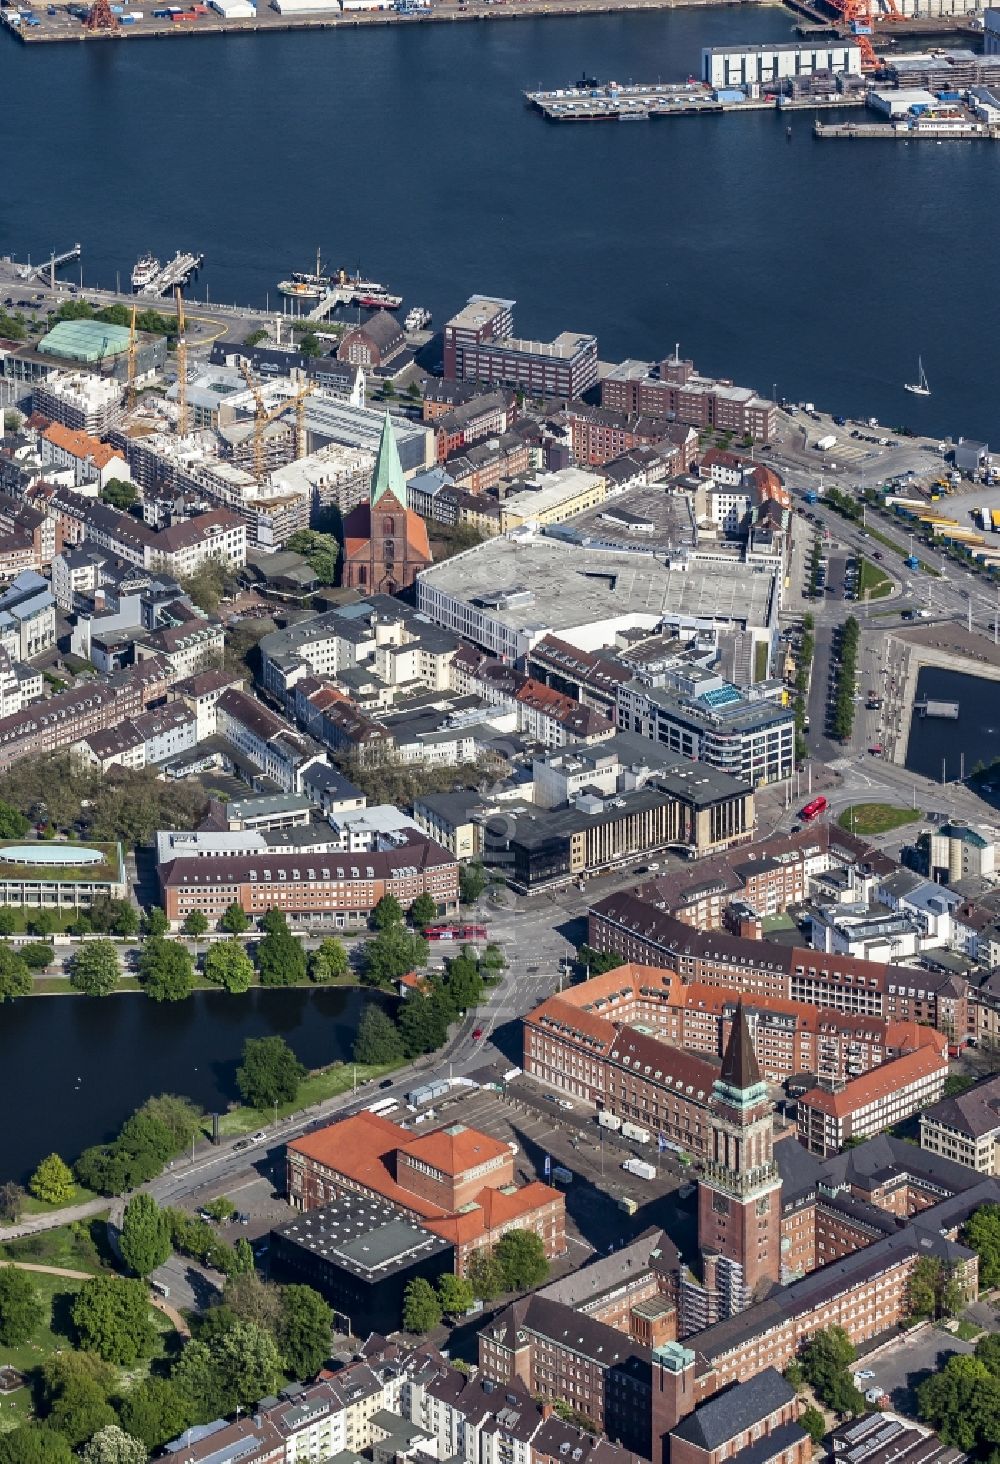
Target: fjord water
pixel 72 1068
pixel 823 267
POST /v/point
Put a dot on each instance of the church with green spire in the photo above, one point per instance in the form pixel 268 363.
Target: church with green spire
pixel 385 543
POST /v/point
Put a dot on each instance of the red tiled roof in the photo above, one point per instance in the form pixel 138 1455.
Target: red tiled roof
pixel 879 1083
pixel 455 1149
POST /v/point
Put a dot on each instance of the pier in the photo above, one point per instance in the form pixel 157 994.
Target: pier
pixel 54 262
pixel 945 710
pixel 612 103
pixel 176 271
pixel 965 131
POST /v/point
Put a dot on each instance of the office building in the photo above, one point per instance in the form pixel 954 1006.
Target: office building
pixel 479 345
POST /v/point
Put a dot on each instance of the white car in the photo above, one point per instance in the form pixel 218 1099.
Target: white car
pixel 565 1103
pixel 864 1374
pixel 259 1136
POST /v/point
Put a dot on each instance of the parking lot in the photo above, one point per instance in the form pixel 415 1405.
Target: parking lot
pixel 901 1366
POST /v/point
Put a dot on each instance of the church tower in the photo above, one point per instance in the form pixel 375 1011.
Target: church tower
pixel 385 543
pixel 739 1194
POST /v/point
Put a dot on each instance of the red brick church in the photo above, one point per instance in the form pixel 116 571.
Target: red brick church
pixel 385 543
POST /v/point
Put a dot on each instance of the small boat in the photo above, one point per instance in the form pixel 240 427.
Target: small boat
pixel 918 387
pixel 144 271
pixel 299 289
pixel 377 300
pixel 788 134
pixel 417 318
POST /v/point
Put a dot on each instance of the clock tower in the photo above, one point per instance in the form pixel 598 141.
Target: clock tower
pixel 739 1194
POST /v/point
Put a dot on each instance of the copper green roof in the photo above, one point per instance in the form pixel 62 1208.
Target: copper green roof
pixel 388 475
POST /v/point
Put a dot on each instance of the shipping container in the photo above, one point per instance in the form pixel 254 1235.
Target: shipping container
pixel 609 1120
pixel 633 1131
pixel 629 1205
pixel 995 520
pixel 641 1168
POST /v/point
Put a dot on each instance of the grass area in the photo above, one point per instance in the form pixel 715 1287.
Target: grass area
pixel 760 661
pixel 81 1246
pixel 24 915
pixel 873 582
pixel 777 922
pixel 55 1334
pixel 876 818
pixel 81 1196
pixel 967 1331
pixel 318 1087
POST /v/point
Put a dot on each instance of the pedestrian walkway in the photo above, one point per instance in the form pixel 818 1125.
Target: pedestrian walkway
pixel 172 1314
pixel 52 1219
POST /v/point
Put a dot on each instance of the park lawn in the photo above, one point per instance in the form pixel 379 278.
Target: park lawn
pixel 80 1246
pixel 55 1334
pixel 873 582
pixel 81 1196
pixel 876 818
pixel 317 1087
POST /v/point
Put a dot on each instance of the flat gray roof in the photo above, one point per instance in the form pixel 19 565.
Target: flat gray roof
pixel 567 585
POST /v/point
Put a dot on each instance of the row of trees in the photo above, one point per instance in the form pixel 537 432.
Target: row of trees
pixel 125 804
pixel 807 650
pixel 847 680
pixel 155 1133
pixel 516 1263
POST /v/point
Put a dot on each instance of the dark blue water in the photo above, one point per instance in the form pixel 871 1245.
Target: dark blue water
pixel 73 1068
pixel 976 734
pixel 822 267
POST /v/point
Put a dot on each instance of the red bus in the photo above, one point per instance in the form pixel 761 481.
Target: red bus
pixel 455 932
pixel 813 809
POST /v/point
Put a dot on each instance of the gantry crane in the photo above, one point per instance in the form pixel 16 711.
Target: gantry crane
pixel 100 16
pixel 263 418
pixel 133 347
pixel 861 17
pixel 182 365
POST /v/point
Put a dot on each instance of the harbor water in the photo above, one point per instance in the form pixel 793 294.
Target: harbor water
pixel 938 745
pixel 408 150
pixel 73 1068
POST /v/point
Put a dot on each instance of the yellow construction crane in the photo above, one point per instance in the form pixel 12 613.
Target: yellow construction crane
pixel 132 350
pixel 263 418
pixel 182 365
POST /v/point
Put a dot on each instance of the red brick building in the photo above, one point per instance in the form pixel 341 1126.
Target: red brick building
pixel 455 1181
pixel 385 543
pixel 914 1080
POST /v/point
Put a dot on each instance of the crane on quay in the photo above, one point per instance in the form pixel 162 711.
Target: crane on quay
pixel 860 16
pixel 263 418
pixel 100 16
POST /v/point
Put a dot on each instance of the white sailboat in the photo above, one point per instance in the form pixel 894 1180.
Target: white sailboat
pixel 918 387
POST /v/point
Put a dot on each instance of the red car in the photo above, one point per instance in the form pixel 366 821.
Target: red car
pixel 477 1034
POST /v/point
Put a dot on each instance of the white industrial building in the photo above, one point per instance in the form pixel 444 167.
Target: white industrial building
pixel 756 65
pixel 234 9
pixel 900 103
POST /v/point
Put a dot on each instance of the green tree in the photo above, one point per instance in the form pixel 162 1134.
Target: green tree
pixel 42 923
pixel 923 1287
pixel 423 911
pixel 393 952
pixel 329 961
pixel 597 962
pixel 320 550
pixel 273 921
pixel 423 1026
pixel 95 968
pixel 255 338
pixel 464 983
pixel 455 1294
pixel 309 344
pixel 387 912
pixel 988 1352
pixel 112 1445
pixel 15 978
pixel 378 1040
pixel 235 1369
pixel 37 955
pixel 228 965
pixel 472 882
pixel 249 1298
pixel 521 1256
pixel 281 959
pixel 52 1181
pixel 982 1234
pixel 155 922
pixel 270 1072
pixel 195 923
pixel 421 1308
pixel 207 585
pixel 12 1198
pixel 13 823
pixel 154 1411
pixel 111 1317
pixel 75 1388
pixel 145 1237
pixel 8 923
pixel 34 1443
pixel 485 1275
pixel 814 1424
pixel 826 1359
pixel 304 1330
pixel 166 971
pixel 795 1376
pixel 962 1402
pixel 234 919
pixel 120 494
pixel 20 1309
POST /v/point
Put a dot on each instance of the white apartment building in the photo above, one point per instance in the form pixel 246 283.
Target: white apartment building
pixel 85 403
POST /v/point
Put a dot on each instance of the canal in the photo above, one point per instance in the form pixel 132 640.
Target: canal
pixel 73 1068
